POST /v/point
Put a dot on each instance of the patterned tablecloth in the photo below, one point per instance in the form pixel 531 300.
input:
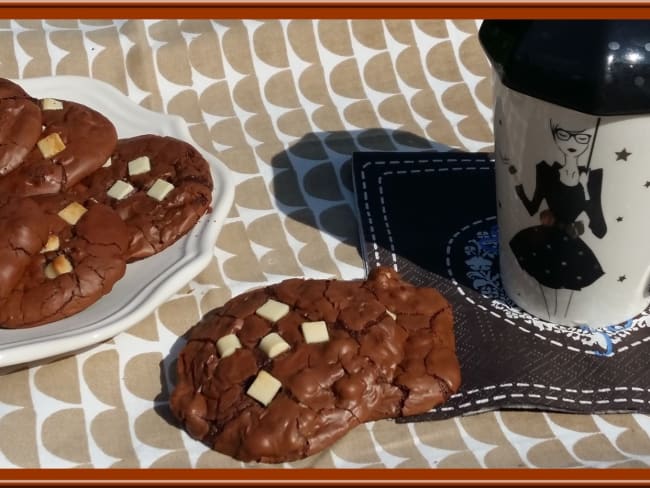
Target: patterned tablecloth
pixel 283 104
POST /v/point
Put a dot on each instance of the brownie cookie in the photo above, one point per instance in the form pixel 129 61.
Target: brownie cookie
pixel 9 89
pixel 280 373
pixel 81 260
pixel 74 142
pixel 20 125
pixel 22 235
pixel 160 186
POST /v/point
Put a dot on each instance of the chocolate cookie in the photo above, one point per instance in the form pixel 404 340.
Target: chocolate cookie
pixel 9 89
pixel 20 125
pixel 22 235
pixel 75 141
pixel 160 186
pixel 280 373
pixel 81 260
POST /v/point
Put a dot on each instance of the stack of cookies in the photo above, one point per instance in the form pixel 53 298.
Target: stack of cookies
pixel 77 204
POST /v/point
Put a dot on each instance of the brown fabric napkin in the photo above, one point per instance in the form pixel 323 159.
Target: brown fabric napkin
pixel 432 216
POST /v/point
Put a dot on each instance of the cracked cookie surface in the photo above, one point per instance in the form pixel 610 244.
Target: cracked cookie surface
pixel 20 125
pixel 153 224
pixel 388 350
pixel 22 236
pixel 85 140
pixel 80 262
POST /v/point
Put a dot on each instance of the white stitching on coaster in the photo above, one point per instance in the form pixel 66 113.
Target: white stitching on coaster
pixel 518 395
pixel 375 246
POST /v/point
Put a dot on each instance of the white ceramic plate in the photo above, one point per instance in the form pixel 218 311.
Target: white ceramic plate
pixel 147 283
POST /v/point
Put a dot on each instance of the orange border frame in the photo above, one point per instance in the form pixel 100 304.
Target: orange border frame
pixel 324 10
pixel 327 477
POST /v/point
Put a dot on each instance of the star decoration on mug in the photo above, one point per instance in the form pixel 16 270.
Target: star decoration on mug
pixel 622 155
pixel 619 219
pixel 647 184
pixel 622 278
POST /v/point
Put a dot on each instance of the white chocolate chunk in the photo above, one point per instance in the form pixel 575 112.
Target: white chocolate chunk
pixel 391 315
pixel 50 273
pixel 139 166
pixel 273 345
pixel 264 388
pixel 120 190
pixel 315 332
pixel 52 244
pixel 59 266
pixel 108 163
pixel 51 145
pixel 273 310
pixel 72 213
pixel 227 345
pixel 51 104
pixel 160 189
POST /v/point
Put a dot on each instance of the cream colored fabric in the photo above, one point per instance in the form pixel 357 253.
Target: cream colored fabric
pixel 283 104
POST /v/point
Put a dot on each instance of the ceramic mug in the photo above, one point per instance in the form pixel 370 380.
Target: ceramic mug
pixel 573 207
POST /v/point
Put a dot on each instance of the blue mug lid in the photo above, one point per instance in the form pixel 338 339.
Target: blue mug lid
pixel 599 67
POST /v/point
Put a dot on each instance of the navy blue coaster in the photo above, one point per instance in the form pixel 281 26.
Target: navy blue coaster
pixel 432 217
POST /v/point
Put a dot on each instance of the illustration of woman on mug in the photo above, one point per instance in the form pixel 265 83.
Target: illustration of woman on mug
pixel 553 252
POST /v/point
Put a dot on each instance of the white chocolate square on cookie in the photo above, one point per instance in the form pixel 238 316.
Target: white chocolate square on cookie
pixel 160 189
pixel 227 345
pixel 273 310
pixel 315 332
pixel 51 104
pixel 264 388
pixel 72 213
pixel 51 145
pixel 139 166
pixel 59 266
pixel 120 190
pixel 52 244
pixel 273 345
